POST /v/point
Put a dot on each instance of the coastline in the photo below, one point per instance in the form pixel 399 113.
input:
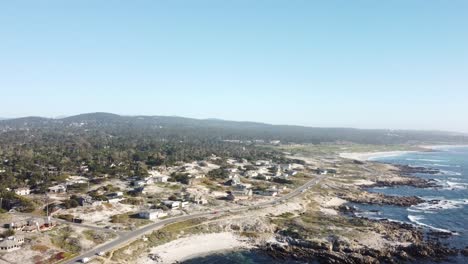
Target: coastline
pixel 364 156
pixel 439 147
pixel 186 248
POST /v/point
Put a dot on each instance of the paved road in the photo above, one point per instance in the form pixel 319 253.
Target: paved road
pixel 126 238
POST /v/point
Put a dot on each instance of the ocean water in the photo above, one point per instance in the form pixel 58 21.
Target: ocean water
pixel 240 257
pixel 445 208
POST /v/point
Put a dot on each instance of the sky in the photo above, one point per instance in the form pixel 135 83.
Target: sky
pixel 367 64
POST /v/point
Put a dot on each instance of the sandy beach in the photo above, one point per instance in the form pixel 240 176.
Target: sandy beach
pixel 363 156
pixel 194 246
pixel 440 147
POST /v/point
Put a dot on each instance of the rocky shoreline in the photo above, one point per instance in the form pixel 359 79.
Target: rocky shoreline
pixel 343 253
pixel 381 199
pixel 418 245
pixel 339 250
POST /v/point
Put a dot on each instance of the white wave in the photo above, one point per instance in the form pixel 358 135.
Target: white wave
pixel 449 173
pixel 440 165
pixel 380 188
pixel 420 211
pixel 451 185
pixel 437 205
pixel 428 160
pixel 417 220
pixel 430 198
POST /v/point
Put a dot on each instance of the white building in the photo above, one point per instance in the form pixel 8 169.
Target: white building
pixel 22 191
pixel 161 178
pixel 11 243
pixel 57 189
pixel 152 214
pixel 250 173
pixel 172 204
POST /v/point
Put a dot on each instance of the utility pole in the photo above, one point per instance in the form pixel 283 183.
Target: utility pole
pixel 47 208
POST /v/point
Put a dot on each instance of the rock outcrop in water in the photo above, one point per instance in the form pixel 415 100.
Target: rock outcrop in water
pixel 406 181
pixel 408 170
pixel 341 251
pixel 378 198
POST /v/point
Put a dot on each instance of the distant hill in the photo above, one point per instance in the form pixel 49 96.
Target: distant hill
pixel 216 129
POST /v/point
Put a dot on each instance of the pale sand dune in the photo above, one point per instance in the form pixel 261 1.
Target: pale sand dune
pixel 193 246
pixel 334 202
pixel 363 182
pixel 363 156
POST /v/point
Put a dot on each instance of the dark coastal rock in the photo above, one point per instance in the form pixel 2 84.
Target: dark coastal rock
pixel 433 251
pixel 436 235
pixel 464 252
pixel 378 198
pixel 408 170
pixel 347 209
pixel 343 252
pixel 409 181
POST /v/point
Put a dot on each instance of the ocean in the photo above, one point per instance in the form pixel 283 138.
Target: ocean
pixel 445 208
pixel 239 257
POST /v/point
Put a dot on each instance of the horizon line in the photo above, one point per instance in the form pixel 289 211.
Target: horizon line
pixel 59 117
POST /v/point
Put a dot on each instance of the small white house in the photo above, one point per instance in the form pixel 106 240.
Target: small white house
pixel 139 183
pixel 250 173
pixel 286 166
pixel 57 189
pixel 11 243
pixel 161 178
pixel 22 191
pixel 114 200
pixel 172 204
pixel 152 214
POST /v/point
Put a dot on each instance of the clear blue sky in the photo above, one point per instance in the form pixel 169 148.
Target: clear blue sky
pixel 366 64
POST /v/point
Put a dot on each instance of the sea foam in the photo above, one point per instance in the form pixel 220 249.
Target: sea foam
pixel 417 220
pixel 437 205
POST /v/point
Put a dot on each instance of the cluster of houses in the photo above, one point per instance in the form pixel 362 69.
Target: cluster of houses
pixel 59 188
pixel 256 141
pixel 180 200
pixel 31 225
pixel 261 169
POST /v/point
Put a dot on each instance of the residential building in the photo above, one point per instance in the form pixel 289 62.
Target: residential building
pixel 88 201
pixel 57 189
pixel 172 204
pixel 199 199
pixel 22 191
pixel 152 214
pixel 161 178
pixel 114 200
pixel 11 243
pixel 286 167
pixel 251 173
pixel 139 183
pixel 115 195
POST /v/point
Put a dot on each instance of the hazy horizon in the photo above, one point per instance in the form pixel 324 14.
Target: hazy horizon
pixel 215 118
pixel 366 64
